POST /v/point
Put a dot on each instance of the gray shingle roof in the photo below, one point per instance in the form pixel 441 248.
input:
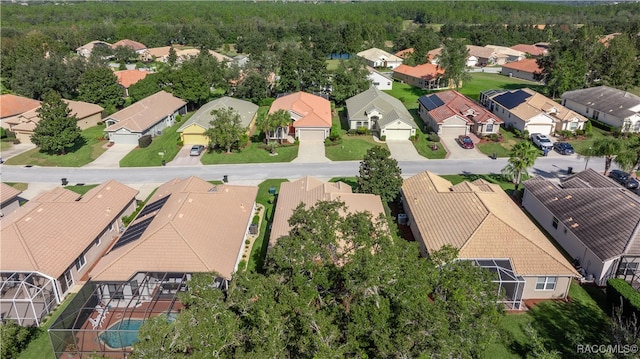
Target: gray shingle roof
pixel 202 117
pixel 390 107
pixel 604 219
pixel 606 100
pixel 588 179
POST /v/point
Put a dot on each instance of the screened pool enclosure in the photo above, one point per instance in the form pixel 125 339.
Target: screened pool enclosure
pixel 26 297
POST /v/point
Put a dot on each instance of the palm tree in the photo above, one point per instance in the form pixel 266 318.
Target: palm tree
pixel 607 147
pixel 262 122
pixel 279 120
pixel 523 155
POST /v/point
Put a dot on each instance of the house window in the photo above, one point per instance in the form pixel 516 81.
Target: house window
pixel 81 261
pixel 587 110
pixel 555 223
pixel 546 283
pixel 489 127
pixel 573 126
pixel 68 278
pixel 627 268
pixel 596 114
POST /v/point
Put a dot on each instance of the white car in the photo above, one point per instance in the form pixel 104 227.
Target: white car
pixel 541 141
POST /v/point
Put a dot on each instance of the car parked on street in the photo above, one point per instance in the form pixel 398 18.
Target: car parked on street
pixel 563 148
pixel 196 150
pixel 624 179
pixel 541 141
pixel 465 142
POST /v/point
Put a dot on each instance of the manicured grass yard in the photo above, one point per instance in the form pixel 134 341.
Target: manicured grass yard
pixel 78 157
pixel 259 249
pixel 18 185
pixel 252 154
pixel 166 143
pixel 40 346
pixel 81 189
pixel 581 147
pixel 560 325
pixel 423 146
pixel 481 81
pixel 5 145
pixel 350 148
pixel 502 149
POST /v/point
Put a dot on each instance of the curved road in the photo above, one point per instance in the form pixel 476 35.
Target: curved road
pixel 550 167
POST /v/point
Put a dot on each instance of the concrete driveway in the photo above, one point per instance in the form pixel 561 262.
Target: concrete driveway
pixel 455 152
pixel 403 150
pixel 184 159
pixel 111 157
pixel 311 150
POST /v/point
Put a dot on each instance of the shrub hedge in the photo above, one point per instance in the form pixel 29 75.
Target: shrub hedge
pixel 144 141
pixel 618 288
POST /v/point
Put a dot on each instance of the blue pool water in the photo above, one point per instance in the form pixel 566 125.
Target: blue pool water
pixel 122 334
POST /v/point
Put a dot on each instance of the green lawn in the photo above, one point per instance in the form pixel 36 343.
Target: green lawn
pixel 81 189
pixel 40 346
pixel 407 94
pixel 167 144
pixel 350 148
pixel 18 185
pixel 259 249
pixel 252 154
pixel 493 178
pixel 5 145
pixel 502 149
pixel 423 146
pixel 332 65
pixel 78 157
pixel 581 147
pixel 560 325
pixel 481 81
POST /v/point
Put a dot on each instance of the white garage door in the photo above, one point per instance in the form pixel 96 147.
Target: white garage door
pixel 453 131
pixel 311 135
pixel 543 129
pixel 128 138
pixel 399 134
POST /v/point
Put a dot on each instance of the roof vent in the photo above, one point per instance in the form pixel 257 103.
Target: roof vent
pixel 213 189
pixel 555 198
pixel 570 219
pixel 574 225
pixel 568 197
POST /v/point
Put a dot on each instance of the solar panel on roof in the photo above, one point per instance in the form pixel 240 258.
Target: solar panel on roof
pixel 133 232
pixel 153 206
pixel 512 99
pixel 431 101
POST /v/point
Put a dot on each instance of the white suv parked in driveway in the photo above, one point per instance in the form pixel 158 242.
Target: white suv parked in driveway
pixel 541 141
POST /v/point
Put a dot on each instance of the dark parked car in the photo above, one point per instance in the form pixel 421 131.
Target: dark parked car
pixel 196 150
pixel 624 179
pixel 563 148
pixel 465 141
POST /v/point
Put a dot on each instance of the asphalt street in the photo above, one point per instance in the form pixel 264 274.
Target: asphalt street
pixel 550 167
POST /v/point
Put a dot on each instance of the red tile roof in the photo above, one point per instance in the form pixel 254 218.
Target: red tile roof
pixel 11 105
pixel 136 46
pixel 424 71
pixel 530 49
pixel 312 110
pixel 526 65
pixel 405 53
pixel 127 78
pixel 456 104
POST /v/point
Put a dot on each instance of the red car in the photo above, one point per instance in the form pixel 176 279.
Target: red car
pixel 465 142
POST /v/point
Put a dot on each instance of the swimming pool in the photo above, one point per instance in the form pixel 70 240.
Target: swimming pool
pixel 122 334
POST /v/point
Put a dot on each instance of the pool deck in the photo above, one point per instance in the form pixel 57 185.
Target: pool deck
pixel 88 338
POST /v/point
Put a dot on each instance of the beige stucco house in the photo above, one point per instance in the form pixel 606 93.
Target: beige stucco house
pixel 487 227
pixel 50 243
pixel 449 113
pixel 525 109
pixel 382 113
pixel 192 131
pixel 310 190
pixel 24 124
